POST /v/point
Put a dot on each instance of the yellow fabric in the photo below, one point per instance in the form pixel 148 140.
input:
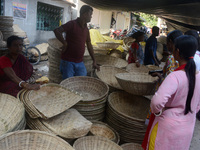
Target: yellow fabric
pixel 96 36
pixel 153 137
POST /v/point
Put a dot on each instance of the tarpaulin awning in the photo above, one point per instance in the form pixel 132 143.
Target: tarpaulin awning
pixel 179 14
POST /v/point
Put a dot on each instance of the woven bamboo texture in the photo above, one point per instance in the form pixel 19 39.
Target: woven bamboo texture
pixel 107 75
pixel 54 57
pixel 6 21
pixel 11 114
pixel 107 45
pixel 152 67
pixel 134 69
pixel 32 140
pixel 131 146
pixel 53 99
pixel 70 124
pixel 137 84
pixel 95 143
pixel 116 53
pixel 1 36
pixel 126 113
pixel 90 88
pixel 104 130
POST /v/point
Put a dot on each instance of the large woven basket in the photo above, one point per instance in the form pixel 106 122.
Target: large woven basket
pixel 90 88
pixel 137 84
pixel 126 113
pixel 11 114
pixel 153 67
pixel 103 130
pixel 95 143
pixel 134 69
pixel 32 140
pixel 107 45
pixel 131 146
pixel 130 106
pixel 107 75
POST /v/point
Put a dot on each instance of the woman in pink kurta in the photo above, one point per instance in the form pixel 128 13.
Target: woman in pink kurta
pixel 175 119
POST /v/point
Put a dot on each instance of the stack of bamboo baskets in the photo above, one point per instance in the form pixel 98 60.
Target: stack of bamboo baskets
pixel 12 114
pixel 6 26
pixel 94 93
pixel 48 110
pixel 54 56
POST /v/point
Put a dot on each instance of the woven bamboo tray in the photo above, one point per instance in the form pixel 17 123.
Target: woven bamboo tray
pixel 107 45
pixel 107 75
pixel 11 114
pixel 131 146
pixel 52 99
pixel 32 140
pixel 95 143
pixel 91 89
pixel 104 130
pixel 68 126
pixel 116 53
pixel 137 84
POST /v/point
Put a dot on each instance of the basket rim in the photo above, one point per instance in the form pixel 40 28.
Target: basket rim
pixel 129 80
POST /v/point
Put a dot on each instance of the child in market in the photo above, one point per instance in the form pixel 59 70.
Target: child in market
pixel 136 54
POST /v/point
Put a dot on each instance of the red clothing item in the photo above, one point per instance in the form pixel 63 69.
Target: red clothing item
pixel 131 58
pixel 22 68
pixel 4 63
pixel 76 37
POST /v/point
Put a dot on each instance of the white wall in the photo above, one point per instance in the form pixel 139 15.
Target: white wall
pixel 29 24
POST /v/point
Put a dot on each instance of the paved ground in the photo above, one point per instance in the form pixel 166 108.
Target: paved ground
pixel 195 145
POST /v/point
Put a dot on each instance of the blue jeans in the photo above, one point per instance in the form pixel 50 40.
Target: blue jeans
pixel 70 69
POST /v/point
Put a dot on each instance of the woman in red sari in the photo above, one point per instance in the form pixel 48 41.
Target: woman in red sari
pixel 15 69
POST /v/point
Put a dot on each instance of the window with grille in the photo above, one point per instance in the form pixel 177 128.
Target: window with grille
pixel 48 16
pixel 1 7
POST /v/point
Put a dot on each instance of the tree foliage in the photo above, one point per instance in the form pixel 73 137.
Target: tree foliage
pixel 151 20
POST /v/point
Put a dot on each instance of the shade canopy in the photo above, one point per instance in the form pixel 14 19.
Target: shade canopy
pixel 179 14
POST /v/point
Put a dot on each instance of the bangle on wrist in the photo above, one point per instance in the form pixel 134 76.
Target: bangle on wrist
pixel 158 114
pixel 21 83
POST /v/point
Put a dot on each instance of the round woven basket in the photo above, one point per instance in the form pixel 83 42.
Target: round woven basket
pixel 127 42
pixel 32 140
pixel 107 45
pixel 116 53
pixel 126 113
pixel 11 113
pixel 104 130
pixel 90 88
pixel 130 106
pixel 95 143
pixel 137 84
pixel 3 44
pixel 7 34
pixel 107 75
pixel 6 21
pixel 134 69
pixel 131 146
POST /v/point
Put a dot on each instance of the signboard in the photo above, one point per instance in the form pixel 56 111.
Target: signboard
pixel 19 10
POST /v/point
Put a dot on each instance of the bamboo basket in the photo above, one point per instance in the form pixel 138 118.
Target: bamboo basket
pixel 11 114
pixel 126 113
pixel 52 99
pixel 91 89
pixel 138 70
pixel 107 45
pixel 104 130
pixel 95 143
pixel 131 146
pixel 32 140
pixel 68 125
pixel 137 84
pixel 107 75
